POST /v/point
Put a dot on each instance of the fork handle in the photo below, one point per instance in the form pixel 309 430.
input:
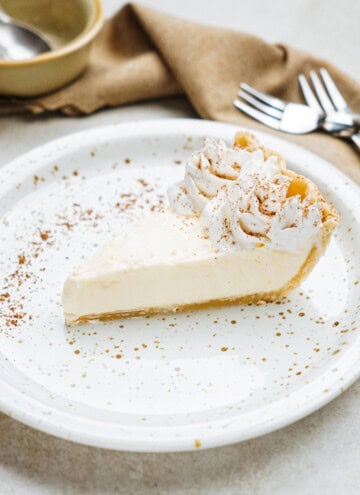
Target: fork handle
pixel 355 138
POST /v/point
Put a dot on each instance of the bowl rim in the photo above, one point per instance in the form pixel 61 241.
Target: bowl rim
pixel 79 41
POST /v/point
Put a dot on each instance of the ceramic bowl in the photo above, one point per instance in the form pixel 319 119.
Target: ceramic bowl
pixel 70 26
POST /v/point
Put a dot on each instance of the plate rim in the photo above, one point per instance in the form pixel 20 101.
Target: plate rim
pixel 35 414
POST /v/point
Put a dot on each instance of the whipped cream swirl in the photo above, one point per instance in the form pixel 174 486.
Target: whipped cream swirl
pixel 243 200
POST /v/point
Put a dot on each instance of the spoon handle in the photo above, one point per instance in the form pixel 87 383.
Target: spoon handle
pixel 4 17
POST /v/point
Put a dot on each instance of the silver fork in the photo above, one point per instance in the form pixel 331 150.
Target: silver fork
pixel 328 98
pixel 294 118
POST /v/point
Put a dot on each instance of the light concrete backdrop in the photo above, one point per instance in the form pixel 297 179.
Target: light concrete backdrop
pixel 318 455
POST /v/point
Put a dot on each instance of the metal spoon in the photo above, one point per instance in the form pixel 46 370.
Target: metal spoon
pixel 19 41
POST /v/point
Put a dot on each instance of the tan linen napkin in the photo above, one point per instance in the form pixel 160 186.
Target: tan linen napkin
pixel 142 53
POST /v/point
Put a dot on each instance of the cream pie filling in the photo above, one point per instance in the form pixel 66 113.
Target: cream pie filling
pixel 167 261
pixel 239 227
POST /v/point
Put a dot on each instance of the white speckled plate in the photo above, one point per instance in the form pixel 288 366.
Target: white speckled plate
pixel 179 382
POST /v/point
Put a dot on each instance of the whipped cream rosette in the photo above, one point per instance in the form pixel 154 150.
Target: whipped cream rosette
pixel 245 200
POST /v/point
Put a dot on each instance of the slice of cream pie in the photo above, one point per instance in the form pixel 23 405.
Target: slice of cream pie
pixel 240 228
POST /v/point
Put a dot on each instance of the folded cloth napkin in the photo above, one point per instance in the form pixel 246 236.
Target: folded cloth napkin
pixel 142 54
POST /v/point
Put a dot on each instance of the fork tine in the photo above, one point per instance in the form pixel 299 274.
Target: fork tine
pixel 257 115
pixel 321 93
pixel 273 112
pixel 308 94
pixel 263 97
pixel 334 93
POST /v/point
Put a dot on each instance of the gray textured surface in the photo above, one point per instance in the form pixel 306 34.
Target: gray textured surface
pixel 319 454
